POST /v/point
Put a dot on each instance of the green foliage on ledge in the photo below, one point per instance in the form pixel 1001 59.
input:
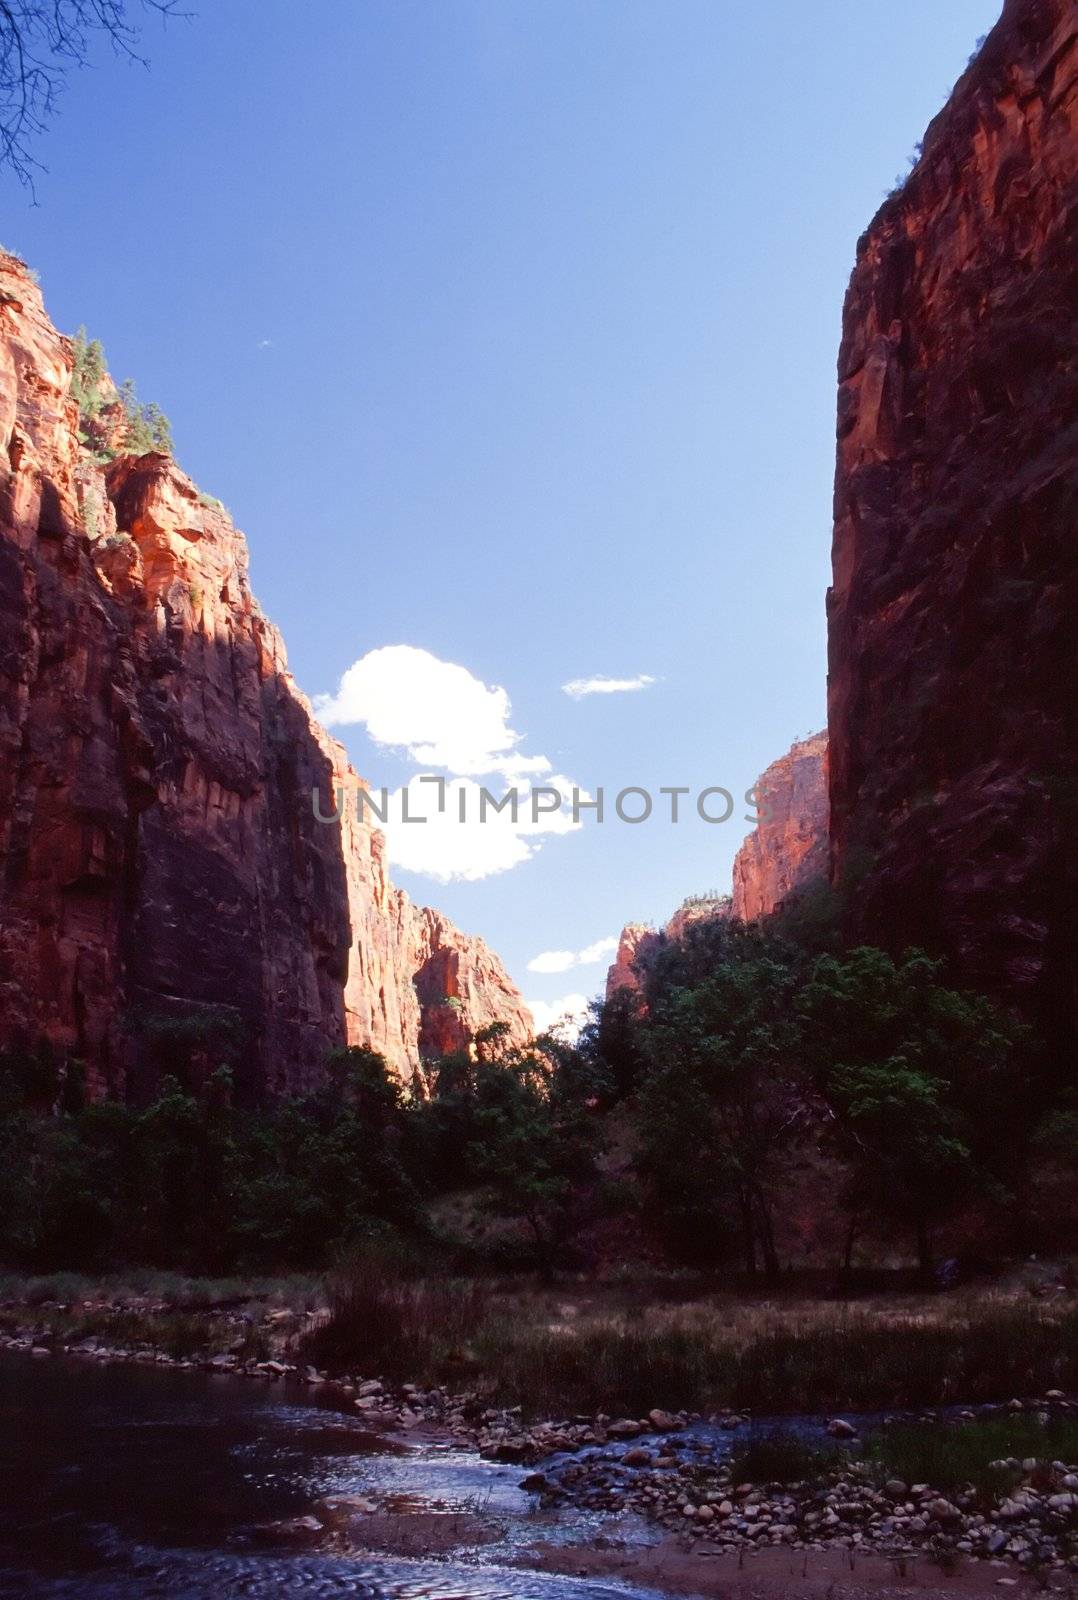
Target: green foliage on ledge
pixel 146 426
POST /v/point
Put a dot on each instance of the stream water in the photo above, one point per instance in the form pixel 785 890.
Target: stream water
pixel 127 1482
pixel 122 1482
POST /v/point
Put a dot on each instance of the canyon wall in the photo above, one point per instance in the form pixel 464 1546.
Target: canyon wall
pixel 788 847
pixel 461 985
pixel 785 852
pixel 953 777
pixel 637 947
pixel 162 865
pixel 639 944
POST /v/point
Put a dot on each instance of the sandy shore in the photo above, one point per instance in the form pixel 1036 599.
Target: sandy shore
pixel 675 1567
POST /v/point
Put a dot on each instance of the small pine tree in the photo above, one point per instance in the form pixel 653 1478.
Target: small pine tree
pixel 148 428
pixel 159 426
pixel 87 375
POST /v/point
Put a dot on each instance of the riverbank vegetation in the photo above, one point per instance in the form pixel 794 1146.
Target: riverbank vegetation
pixel 762 1101
pixel 985 1452
pixel 579 1348
pixel 755 1105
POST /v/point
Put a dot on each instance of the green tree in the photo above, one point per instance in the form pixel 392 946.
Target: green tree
pixel 722 1102
pixel 924 1084
pixel 313 1175
pixel 87 376
pixel 146 428
pixel 534 1146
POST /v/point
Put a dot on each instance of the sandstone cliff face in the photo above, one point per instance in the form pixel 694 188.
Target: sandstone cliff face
pixel 639 944
pixel 788 847
pixel 785 852
pixel 461 985
pixel 951 616
pixel 636 947
pixel 160 854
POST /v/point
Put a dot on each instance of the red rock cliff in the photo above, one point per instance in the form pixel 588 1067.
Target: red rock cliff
pixel 951 616
pixel 784 853
pixel 788 847
pixel 639 944
pixel 636 947
pixel 159 851
pixel 461 985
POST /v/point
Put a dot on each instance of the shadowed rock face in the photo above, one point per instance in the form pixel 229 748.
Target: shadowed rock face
pixel 637 947
pixel 788 847
pixel 159 850
pixel 639 944
pixel 951 616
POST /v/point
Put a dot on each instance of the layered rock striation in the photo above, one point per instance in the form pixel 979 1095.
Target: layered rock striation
pixel 162 863
pixel 953 773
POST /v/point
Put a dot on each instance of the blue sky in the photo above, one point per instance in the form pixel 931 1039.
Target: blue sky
pixel 507 331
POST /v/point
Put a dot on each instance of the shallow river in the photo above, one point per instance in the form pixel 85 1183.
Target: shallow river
pixel 123 1482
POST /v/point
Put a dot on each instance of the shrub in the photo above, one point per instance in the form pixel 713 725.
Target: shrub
pixel 117 541
pixel 381 1321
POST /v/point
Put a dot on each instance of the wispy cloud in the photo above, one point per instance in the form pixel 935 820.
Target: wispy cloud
pixel 563 960
pixel 577 688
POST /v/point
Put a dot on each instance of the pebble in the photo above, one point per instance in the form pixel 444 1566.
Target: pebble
pixel 686 1485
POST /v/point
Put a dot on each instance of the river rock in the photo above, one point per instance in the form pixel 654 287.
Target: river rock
pixel 942 1510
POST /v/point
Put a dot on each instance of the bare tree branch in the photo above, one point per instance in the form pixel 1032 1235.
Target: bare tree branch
pixel 41 41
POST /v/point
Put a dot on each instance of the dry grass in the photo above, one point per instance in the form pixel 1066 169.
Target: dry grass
pixel 556 1352
pixel 619 1347
pixel 383 1322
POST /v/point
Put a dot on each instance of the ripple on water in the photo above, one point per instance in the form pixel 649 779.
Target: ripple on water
pixel 183 1575
pixel 129 1483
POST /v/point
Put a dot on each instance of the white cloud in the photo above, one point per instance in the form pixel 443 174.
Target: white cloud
pixel 442 716
pixel 486 842
pixel 562 960
pixel 439 712
pixel 568 1015
pixel 577 688
pixel 553 961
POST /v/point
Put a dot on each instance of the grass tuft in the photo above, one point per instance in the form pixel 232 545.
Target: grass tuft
pixel 960 1456
pixel 381 1322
